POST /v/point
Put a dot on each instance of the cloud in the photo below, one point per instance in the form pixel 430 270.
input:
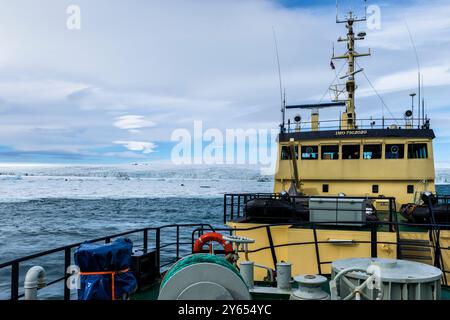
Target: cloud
pixel 38 90
pixel 136 72
pixel 427 20
pixel 144 147
pixel 133 122
pixel 406 80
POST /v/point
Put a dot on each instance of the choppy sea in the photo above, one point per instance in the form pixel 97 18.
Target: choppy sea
pixel 46 207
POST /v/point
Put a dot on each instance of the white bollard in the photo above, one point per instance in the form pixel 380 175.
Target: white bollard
pixel 284 275
pixel 247 273
pixel 34 279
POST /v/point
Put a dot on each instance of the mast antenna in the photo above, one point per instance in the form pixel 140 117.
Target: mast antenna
pixel 355 19
pixel 282 98
pixel 419 78
pixel 423 103
pixel 348 119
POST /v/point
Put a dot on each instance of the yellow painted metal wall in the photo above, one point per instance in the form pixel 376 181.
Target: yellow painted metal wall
pixel 445 243
pixel 303 254
pixel 356 177
pixel 303 257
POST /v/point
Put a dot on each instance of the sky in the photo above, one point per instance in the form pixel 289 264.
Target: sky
pixel 114 90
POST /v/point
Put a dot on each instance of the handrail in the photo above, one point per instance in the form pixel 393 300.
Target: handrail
pixel 231 213
pixel 200 228
pixel 105 238
pixel 15 263
pixel 313 226
pixel 435 238
pixel 365 123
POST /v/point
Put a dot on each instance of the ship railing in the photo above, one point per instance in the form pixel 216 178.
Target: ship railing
pixel 375 228
pixel 234 206
pixel 361 124
pixel 443 200
pixel 170 243
pixel 435 230
pixel 157 239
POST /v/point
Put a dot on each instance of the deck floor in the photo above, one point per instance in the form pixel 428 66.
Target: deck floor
pixel 152 292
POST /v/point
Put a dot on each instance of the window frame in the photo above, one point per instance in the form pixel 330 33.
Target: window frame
pixel 351 145
pixel 289 153
pixel 416 144
pixel 330 145
pixel 390 145
pixel 309 146
pixel 372 144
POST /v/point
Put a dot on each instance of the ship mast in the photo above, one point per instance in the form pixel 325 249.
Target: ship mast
pixel 348 118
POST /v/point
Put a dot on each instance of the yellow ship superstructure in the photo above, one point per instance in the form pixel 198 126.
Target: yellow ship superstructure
pixel 377 157
pixel 388 161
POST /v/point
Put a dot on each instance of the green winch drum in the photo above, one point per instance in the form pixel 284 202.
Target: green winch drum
pixel 203 276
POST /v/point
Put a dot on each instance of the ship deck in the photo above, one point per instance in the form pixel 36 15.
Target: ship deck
pixel 152 292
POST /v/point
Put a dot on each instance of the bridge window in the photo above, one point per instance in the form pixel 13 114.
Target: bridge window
pixel 410 189
pixel 372 151
pixel 310 152
pixel 330 152
pixel 325 188
pixel 375 188
pixel 417 151
pixel 351 152
pixel 286 153
pixel 395 151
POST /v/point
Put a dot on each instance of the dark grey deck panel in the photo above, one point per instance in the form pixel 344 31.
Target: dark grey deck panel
pixel 351 134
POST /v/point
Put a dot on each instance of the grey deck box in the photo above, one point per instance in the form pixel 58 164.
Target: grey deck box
pixel 338 211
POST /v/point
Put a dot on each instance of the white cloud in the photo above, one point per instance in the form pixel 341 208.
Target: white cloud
pixel 21 91
pixel 406 80
pixel 130 122
pixel 132 66
pixel 427 20
pixel 144 147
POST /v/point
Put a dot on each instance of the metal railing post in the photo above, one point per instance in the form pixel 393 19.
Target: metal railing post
pixel 373 240
pixel 145 240
pixel 239 206
pixel 316 244
pixel 67 262
pixel 15 281
pixel 158 249
pixel 224 209
pixel 232 208
pixel 178 242
pixel 390 216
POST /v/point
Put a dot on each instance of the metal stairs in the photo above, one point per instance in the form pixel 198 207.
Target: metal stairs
pixel 415 250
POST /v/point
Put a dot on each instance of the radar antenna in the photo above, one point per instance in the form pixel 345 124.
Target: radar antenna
pixel 348 119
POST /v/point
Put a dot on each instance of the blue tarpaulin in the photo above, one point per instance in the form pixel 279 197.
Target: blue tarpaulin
pixel 99 264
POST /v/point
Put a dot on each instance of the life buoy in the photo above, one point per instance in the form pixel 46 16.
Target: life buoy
pixel 212 237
